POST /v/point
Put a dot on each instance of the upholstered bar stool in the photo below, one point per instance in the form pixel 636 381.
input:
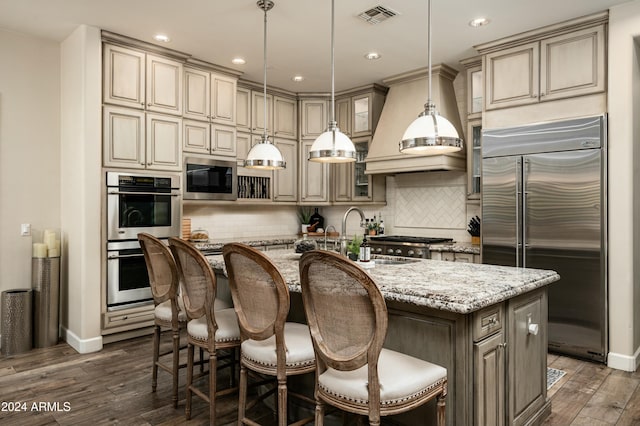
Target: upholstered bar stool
pixel 270 345
pixel 163 279
pixel 347 316
pixel 208 328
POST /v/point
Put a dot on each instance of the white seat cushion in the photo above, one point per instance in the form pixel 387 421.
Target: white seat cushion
pixel 228 329
pixel 163 312
pixel 298 343
pixel 402 377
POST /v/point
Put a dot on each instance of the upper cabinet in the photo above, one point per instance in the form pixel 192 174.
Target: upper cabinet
pixel 209 96
pixel 358 110
pixel 314 117
pixel 553 63
pixel 282 113
pixel 141 80
pixel 285 118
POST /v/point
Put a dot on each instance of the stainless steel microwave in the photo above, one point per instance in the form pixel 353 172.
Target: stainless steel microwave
pixel 209 179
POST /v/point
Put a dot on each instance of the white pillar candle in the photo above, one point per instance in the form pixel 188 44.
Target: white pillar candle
pixel 39 250
pixel 50 238
pixel 53 252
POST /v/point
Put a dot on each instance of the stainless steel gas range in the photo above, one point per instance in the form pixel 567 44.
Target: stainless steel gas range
pixel 399 245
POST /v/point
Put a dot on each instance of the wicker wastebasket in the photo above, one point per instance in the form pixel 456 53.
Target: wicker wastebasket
pixel 16 321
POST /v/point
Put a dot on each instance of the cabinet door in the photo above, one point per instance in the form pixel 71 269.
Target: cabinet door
pixel 489 381
pixel 196 94
pixel 343 115
pixel 512 76
pixel 572 64
pixel 361 182
pixel 223 99
pixel 243 109
pixel 314 117
pixel 475 92
pixel 196 136
pixel 164 142
pixel 527 361
pixel 285 187
pixel 123 138
pixel 123 76
pixel 257 113
pixel 314 177
pixel 285 118
pixel 164 85
pixel 243 145
pixel 361 115
pixel 474 158
pixel 342 175
pixel 223 140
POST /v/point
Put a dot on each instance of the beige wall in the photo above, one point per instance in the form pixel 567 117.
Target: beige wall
pixel 624 208
pixel 29 149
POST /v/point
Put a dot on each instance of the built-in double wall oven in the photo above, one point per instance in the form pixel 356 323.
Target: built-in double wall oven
pixel 136 203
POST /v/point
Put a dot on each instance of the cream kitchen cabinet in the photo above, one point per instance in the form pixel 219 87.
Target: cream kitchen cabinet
pixel 474 159
pixel 204 138
pixel 257 113
pixel 139 140
pixel 244 142
pixel 343 115
pixel 351 184
pixel 314 178
pixel 314 117
pixel 552 67
pixel 454 256
pixel 285 118
pixel 209 96
pixel 141 80
pixel 285 182
pixel 243 109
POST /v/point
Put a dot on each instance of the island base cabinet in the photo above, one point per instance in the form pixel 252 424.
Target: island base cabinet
pixel 527 358
pixel 489 381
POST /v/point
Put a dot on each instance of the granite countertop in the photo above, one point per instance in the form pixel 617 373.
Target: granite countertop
pixel 216 246
pixel 449 286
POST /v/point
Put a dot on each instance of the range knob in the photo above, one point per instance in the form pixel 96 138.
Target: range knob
pixel 379 250
pixel 420 253
pixel 390 251
pixel 398 252
pixel 410 253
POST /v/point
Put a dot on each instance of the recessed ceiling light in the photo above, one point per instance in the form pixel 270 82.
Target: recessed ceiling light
pixel 479 22
pixel 238 61
pixel 161 37
pixel 297 78
pixel 372 56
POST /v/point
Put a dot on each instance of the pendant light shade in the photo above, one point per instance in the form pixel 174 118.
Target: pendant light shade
pixel 265 155
pixel 430 133
pixel 332 146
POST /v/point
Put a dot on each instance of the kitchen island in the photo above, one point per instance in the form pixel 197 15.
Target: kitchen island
pixel 486 324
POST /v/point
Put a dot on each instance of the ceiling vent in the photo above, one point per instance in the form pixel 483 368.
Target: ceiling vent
pixel 377 14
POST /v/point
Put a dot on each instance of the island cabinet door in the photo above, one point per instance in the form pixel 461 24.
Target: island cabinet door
pixel 527 358
pixel 489 381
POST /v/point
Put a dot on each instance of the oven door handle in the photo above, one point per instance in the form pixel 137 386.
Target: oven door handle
pixel 123 256
pixel 173 194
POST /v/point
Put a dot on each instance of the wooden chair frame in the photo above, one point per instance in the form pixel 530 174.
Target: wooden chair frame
pixel 148 241
pixel 368 355
pixel 276 327
pixel 196 309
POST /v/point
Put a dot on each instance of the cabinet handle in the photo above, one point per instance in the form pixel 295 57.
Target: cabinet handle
pixel 148 104
pixel 148 164
pixel 142 163
pixel 503 345
pixel 142 103
pixel 532 328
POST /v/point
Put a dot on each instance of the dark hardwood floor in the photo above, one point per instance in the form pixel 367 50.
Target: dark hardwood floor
pixel 58 386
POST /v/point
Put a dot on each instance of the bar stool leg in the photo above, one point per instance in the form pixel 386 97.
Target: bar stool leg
pixel 187 407
pixel 242 398
pixel 176 365
pixel 156 356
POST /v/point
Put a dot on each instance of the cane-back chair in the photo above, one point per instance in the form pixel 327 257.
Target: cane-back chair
pixel 347 316
pixel 163 280
pixel 270 345
pixel 207 328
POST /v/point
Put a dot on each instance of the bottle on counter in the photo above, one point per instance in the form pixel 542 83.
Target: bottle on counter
pixel 365 251
pixel 381 227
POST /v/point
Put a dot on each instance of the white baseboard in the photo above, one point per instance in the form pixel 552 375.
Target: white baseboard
pixel 83 346
pixel 624 362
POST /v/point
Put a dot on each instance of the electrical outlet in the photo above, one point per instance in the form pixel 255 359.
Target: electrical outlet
pixel 25 229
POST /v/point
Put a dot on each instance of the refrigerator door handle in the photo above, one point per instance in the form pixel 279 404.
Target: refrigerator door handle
pixel 518 174
pixel 525 163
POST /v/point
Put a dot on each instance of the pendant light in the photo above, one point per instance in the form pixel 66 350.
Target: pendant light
pixel 332 146
pixel 430 133
pixel 265 155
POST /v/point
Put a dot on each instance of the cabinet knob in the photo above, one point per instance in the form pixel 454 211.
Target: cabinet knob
pixel 142 163
pixel 148 164
pixel 532 328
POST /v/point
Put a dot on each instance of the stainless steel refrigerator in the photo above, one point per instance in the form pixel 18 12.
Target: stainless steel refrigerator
pixel 544 206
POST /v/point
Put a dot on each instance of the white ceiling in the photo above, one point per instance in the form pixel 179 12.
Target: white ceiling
pixel 299 31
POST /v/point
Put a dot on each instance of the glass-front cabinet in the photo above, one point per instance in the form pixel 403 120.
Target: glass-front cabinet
pixel 350 183
pixel 474 158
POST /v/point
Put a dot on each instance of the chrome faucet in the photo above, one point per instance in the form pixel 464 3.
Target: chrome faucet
pixel 343 236
pixel 326 230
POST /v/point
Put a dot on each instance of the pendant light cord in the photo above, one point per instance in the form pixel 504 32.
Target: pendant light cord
pixel 264 80
pixel 429 100
pixel 333 97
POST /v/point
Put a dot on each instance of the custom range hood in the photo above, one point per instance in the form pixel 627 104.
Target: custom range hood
pixel 405 100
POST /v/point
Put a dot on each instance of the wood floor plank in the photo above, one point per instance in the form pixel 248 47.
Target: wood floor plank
pixel 611 398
